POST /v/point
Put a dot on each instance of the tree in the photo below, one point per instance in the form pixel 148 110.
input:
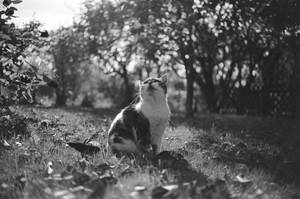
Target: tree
pixel 70 62
pixel 223 45
pixel 226 49
pixel 109 40
pixel 17 79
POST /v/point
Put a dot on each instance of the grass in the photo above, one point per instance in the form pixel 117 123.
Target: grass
pixel 254 157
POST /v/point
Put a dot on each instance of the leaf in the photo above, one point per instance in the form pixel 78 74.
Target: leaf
pixel 5 36
pixel 137 195
pixel 242 179
pixel 10 11
pixel 50 169
pixel 4 186
pixel 216 190
pixel 61 193
pixel 45 123
pixel 77 189
pixel 158 192
pixel 80 178
pixel 6 3
pixel 84 148
pixel 4 91
pixel 11 109
pixel 170 159
pixel 44 33
pixel 17 1
pixel 21 181
pixel 24 94
pixel 5 144
pixel 140 188
pixel 102 168
pixel 99 188
pixel 3 81
pixel 27 34
pixel 30 96
pixel 18 144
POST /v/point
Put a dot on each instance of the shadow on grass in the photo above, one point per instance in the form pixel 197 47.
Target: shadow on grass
pixel 271 144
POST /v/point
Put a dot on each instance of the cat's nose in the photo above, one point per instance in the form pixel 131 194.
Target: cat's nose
pixel 150 87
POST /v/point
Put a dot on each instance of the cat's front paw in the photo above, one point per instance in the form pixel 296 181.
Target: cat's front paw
pixel 147 148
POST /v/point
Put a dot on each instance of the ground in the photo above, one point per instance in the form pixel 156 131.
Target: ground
pixel 244 157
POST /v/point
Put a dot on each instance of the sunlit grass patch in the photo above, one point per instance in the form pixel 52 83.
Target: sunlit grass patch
pixel 175 137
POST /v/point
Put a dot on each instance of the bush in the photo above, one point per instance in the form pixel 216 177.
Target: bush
pixel 17 78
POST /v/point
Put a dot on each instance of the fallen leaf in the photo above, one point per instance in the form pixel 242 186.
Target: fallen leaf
pixel 24 159
pixel 102 168
pixel 215 190
pixel 83 163
pixel 80 178
pixel 19 144
pixel 99 187
pixel 5 144
pixel 45 123
pixel 50 169
pixel 84 148
pixel 158 192
pixel 170 159
pixel 21 181
pixel 80 188
pixel 138 195
pixel 259 192
pixel 140 188
pixel 60 193
pixel 242 179
pixel 170 187
pixel 4 185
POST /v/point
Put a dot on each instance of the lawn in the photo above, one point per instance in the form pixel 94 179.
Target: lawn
pixel 218 156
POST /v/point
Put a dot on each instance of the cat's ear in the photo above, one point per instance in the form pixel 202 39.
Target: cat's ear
pixel 164 78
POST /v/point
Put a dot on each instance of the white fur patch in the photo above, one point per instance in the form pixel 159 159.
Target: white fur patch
pixel 158 115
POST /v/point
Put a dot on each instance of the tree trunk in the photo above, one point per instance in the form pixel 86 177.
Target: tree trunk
pixel 128 90
pixel 1 70
pixel 61 98
pixel 190 74
pixel 190 79
pixel 209 92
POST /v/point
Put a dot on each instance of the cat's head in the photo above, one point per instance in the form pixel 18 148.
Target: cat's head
pixel 154 88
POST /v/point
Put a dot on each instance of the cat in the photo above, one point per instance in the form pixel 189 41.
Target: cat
pixel 139 127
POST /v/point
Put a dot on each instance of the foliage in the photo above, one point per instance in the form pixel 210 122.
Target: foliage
pixel 68 52
pixel 234 56
pixel 109 40
pixel 13 126
pixel 226 47
pixel 16 78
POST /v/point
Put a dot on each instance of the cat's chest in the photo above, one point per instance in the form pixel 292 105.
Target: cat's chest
pixel 158 116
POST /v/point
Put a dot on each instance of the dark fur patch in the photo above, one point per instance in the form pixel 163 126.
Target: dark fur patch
pixel 117 140
pixel 132 120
